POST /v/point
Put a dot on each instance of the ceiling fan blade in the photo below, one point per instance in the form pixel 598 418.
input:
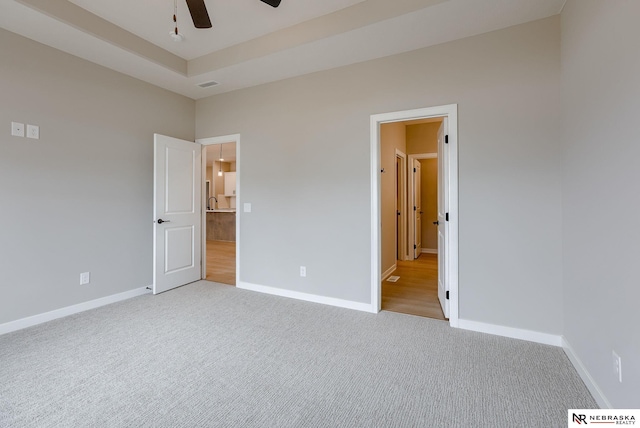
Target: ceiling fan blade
pixel 274 3
pixel 199 14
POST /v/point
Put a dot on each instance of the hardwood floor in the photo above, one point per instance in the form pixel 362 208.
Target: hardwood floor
pixel 221 262
pixel 416 292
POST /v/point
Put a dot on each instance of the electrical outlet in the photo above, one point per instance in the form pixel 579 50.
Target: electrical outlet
pixel 85 278
pixel 617 366
pixel 17 129
pixel 303 271
pixel 33 131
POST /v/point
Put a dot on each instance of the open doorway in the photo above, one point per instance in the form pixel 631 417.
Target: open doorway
pixel 421 278
pixel 412 287
pixel 220 219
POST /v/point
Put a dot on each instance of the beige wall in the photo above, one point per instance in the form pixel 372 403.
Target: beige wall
pixel 81 197
pixel 422 138
pixel 306 170
pixel 392 137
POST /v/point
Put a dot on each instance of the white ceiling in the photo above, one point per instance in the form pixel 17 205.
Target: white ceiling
pixel 252 43
pixel 233 21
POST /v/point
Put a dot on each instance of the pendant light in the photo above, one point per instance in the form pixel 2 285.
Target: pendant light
pixel 220 162
pixel 175 35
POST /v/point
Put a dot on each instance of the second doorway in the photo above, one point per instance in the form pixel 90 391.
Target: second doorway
pixel 220 223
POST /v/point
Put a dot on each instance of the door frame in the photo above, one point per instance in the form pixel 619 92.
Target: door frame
pixel 208 142
pixel 451 170
pixel 401 236
pixel 418 156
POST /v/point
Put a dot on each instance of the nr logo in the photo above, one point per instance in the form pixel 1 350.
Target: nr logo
pixel 580 419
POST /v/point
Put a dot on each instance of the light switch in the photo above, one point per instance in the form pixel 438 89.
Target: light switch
pixel 17 129
pixel 247 207
pixel 85 278
pixel 33 131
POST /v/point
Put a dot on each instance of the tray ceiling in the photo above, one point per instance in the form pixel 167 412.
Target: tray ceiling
pixel 252 43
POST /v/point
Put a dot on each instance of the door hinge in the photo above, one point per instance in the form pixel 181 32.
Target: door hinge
pixel 414 208
pixel 446 139
pixel 414 246
pixel 447 294
pixel 446 217
pixel 414 170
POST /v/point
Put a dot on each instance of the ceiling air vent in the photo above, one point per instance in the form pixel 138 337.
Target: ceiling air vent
pixel 208 84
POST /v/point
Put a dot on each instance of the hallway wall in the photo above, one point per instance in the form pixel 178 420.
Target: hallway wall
pixel 392 137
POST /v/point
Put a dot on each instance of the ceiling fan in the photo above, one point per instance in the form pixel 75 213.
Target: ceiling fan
pixel 199 14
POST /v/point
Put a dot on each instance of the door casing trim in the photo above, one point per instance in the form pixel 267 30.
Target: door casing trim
pixel 402 236
pixel 451 169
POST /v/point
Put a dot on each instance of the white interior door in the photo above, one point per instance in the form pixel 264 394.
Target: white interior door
pixel 417 209
pixel 177 213
pixel 443 225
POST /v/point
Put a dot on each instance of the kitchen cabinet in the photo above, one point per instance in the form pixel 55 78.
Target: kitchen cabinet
pixel 229 183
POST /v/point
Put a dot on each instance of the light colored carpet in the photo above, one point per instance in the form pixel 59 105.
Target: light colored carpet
pixel 211 355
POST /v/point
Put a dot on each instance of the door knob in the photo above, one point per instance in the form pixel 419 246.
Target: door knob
pixel 160 221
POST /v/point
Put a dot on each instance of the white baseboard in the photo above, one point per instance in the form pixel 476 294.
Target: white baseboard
pixel 547 339
pixel 514 333
pixel 365 307
pixel 429 251
pixel 591 384
pixel 387 273
pixel 69 310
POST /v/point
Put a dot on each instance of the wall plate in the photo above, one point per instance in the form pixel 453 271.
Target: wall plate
pixel 33 131
pixel 17 129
